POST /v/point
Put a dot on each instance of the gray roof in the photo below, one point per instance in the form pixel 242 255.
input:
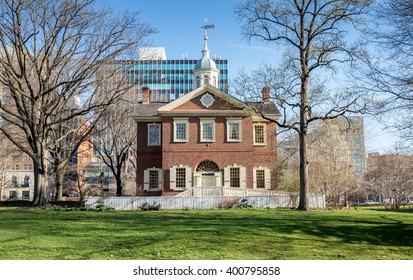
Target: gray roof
pixel 205 61
pixel 148 109
pixel 264 108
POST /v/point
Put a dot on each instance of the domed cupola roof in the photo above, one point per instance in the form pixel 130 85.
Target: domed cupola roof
pixel 205 61
pixel 205 71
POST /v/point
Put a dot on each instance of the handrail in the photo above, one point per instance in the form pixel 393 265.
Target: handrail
pixel 224 191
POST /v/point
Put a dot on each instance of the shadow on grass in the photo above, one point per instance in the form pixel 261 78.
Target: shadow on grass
pixel 255 234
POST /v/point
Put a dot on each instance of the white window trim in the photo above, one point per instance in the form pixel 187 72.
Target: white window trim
pixel 204 121
pixel 146 179
pixel 265 134
pixel 242 176
pixel 267 175
pixel 237 121
pixel 181 121
pixel 172 177
pixel 160 132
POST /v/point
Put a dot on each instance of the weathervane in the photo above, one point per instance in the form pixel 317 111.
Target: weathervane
pixel 207 26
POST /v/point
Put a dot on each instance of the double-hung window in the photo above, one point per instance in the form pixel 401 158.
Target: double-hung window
pixel 260 134
pixel 235 176
pixel 152 179
pixel 154 134
pixel 207 130
pixel 234 130
pixel 262 178
pixel 180 177
pixel 181 130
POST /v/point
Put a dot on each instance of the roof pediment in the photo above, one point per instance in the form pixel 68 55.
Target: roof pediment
pixel 206 100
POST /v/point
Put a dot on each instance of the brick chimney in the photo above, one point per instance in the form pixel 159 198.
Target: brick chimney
pixel 265 94
pixel 146 95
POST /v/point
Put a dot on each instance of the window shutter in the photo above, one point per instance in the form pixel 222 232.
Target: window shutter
pixel 267 178
pixel 160 178
pixel 146 179
pixel 218 180
pixel 197 179
pixel 172 178
pixel 254 178
pixel 188 176
pixel 242 177
pixel 226 177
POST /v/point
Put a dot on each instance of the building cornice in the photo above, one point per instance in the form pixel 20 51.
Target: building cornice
pixel 210 113
pixel 147 118
pixel 198 92
pixel 268 118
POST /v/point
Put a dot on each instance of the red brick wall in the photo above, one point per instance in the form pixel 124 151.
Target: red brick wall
pixel 193 152
pixel 147 156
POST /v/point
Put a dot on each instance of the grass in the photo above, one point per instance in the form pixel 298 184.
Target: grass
pixel 215 234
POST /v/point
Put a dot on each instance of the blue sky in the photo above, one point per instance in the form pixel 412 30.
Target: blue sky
pixel 179 24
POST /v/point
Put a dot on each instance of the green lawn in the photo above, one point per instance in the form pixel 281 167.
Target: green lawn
pixel 215 234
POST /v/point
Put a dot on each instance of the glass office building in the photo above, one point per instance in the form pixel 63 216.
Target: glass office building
pixel 169 79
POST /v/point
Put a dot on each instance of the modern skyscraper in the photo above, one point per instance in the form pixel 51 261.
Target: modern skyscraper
pixel 170 79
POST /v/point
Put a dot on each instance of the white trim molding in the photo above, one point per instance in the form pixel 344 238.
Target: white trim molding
pixel 158 141
pixel 177 123
pixel 174 177
pixel 255 143
pixel 242 176
pixel 203 121
pixel 267 177
pixel 234 121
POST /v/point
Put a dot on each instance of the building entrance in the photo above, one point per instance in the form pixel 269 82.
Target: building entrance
pixel 208 180
pixel 207 174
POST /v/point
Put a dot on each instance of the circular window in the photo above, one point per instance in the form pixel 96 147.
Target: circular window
pixel 207 166
pixel 207 100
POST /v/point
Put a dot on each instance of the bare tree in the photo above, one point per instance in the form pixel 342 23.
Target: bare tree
pixel 313 32
pixel 115 139
pixel 54 53
pixel 389 71
pixel 390 177
pixel 331 170
pixel 7 151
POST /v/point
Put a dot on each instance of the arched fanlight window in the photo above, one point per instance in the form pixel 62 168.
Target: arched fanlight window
pixel 207 166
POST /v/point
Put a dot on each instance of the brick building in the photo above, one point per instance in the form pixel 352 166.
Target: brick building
pixel 204 139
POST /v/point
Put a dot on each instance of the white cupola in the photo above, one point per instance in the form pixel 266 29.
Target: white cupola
pixel 206 71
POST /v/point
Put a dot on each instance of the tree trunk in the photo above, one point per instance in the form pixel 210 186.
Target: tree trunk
pixel 304 192
pixel 304 189
pixel 59 179
pixel 59 184
pixel 118 183
pixel 40 184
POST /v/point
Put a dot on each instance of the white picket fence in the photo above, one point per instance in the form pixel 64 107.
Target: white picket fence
pixel 211 202
pixel 225 191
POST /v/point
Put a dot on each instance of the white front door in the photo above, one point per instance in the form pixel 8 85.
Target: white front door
pixel 208 180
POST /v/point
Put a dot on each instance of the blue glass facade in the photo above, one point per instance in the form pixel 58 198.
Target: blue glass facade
pixel 169 79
